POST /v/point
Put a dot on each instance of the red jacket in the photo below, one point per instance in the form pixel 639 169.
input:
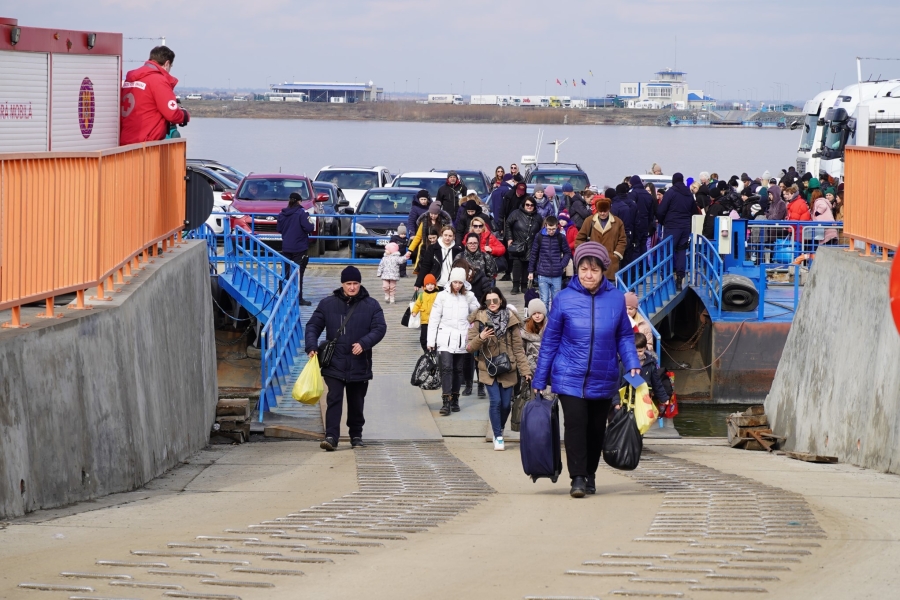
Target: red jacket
pixel 148 105
pixel 490 240
pixel 571 234
pixel 797 210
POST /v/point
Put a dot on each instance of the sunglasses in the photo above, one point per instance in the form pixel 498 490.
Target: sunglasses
pixel 476 226
pixel 514 168
pixel 528 204
pixel 492 301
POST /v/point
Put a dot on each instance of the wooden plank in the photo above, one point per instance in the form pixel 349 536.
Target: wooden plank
pixel 815 458
pixel 233 407
pixel 745 421
pixel 755 410
pixel 765 444
pixel 288 432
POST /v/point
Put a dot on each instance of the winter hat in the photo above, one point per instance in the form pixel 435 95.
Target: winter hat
pixel 636 181
pixel 401 229
pixel 538 188
pixel 814 184
pixel 745 177
pixel 567 187
pixel 550 191
pixel 472 205
pixel 435 208
pixel 766 175
pixel 429 279
pixel 677 178
pixel 536 306
pixel 622 189
pixel 507 177
pixel 610 193
pixel 457 274
pixel 351 273
pixel 422 194
pixel 564 215
pixel 773 181
pixel 722 186
pixel 829 190
pixel 594 249
pixel 806 176
pixel 715 193
pixel 631 300
pixel 472 194
pixel 392 248
pixel 452 174
pixel 603 205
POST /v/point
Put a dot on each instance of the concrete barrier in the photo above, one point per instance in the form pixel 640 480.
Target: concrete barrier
pixel 837 387
pixel 104 400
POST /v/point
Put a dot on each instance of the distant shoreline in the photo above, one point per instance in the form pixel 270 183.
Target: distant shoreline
pixel 427 113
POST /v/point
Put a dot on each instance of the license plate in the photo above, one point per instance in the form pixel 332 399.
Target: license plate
pixel 382 242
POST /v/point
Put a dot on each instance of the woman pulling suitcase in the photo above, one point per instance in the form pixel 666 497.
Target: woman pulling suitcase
pixel 587 333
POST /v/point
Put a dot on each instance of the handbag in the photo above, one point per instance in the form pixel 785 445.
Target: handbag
pixel 326 348
pixel 524 394
pixel 498 364
pixel 408 317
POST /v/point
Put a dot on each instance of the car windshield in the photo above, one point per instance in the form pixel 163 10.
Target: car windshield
pixel 273 188
pixel 474 183
pixel 386 203
pixel 579 181
pixel 809 133
pixel 350 180
pixel 432 184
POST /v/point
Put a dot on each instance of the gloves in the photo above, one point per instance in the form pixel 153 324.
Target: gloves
pixel 187 118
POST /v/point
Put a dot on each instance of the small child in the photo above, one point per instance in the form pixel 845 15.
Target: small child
pixel 650 372
pixel 389 270
pixel 423 305
pixel 399 238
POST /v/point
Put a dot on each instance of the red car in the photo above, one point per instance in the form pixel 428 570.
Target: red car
pixel 259 198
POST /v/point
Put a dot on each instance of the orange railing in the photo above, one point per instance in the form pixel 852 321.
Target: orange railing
pixel 73 221
pixel 871 192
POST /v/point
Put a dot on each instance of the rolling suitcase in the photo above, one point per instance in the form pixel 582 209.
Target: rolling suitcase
pixel 539 439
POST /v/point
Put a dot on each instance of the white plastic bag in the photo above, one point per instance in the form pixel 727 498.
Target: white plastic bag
pixel 415 319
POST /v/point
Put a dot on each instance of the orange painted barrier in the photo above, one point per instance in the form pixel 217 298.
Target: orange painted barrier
pixel 74 221
pixel 871 192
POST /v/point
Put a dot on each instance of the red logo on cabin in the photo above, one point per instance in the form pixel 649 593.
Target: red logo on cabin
pixel 86 105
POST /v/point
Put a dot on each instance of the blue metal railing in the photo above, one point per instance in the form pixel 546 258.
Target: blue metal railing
pixel 782 242
pixel 707 269
pixel 651 276
pixel 282 342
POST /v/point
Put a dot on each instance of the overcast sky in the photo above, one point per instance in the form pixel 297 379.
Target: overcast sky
pixel 789 47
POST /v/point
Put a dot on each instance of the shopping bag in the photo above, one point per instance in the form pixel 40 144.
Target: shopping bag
pixel 426 373
pixel 623 444
pixel 310 386
pixel 408 318
pixel 671 409
pixel 639 401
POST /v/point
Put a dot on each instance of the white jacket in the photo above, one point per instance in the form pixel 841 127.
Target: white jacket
pixel 448 324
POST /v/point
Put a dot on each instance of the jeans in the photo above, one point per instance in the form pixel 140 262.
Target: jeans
pixel 549 288
pixel 585 424
pixel 299 258
pixel 451 371
pixel 356 397
pixel 501 404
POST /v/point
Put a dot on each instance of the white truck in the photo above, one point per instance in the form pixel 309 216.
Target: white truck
pixel 489 99
pixel 445 99
pixel 876 122
pixel 812 131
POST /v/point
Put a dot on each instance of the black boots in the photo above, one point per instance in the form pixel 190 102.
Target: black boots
pixel 579 486
pixel 481 392
pixel 591 486
pixel 516 290
pixel 678 282
pixel 445 409
pixel 467 391
pixel 454 400
pixel 506 277
pixel 329 444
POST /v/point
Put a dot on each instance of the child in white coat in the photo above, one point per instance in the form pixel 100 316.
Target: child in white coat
pixel 389 270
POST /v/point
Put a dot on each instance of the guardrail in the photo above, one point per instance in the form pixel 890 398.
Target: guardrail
pixel 871 189
pixel 651 276
pixel 72 221
pixel 282 342
pixel 707 269
pixel 784 242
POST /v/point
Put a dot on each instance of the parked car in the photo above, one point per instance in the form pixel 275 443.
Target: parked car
pixel 355 181
pixel 227 171
pixel 335 204
pixel 658 181
pixel 556 174
pixel 428 180
pixel 380 212
pixel 472 179
pixel 223 194
pixel 264 196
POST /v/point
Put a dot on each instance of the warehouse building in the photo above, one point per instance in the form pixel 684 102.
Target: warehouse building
pixel 300 91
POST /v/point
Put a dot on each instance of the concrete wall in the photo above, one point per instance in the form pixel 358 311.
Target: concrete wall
pixel 837 388
pixel 105 400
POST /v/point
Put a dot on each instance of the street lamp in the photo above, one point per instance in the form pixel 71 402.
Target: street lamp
pixel 480 86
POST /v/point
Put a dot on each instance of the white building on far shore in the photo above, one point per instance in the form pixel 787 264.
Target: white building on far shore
pixel 668 89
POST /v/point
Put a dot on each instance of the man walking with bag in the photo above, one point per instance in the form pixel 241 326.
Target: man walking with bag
pixel 353 323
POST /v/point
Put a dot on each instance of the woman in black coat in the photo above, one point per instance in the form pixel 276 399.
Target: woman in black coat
pixel 438 258
pixel 521 226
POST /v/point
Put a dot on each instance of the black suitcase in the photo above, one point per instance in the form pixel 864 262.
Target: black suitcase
pixel 539 439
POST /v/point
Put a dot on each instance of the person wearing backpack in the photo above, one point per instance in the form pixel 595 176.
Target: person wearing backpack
pixel 550 254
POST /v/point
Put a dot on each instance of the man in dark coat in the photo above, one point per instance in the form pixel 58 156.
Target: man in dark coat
pixel 351 364
pixel 512 200
pixel 675 212
pixel 495 202
pixel 294 225
pixel 450 193
pixel 575 204
pixel 624 208
pixel 644 215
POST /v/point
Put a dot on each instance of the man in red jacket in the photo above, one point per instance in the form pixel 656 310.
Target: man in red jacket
pixel 148 100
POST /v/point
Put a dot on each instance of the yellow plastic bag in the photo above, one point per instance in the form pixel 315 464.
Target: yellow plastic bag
pixel 310 386
pixel 645 413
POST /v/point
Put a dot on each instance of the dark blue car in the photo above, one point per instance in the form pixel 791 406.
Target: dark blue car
pixel 379 213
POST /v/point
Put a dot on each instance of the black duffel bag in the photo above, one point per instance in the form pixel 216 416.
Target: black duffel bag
pixel 623 444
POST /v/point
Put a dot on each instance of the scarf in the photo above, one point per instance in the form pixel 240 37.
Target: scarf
pixel 499 321
pixel 446 262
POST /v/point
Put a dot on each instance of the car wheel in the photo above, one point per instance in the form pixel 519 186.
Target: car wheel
pixel 334 245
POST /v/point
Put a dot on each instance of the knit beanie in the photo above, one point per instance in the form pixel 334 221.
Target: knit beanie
pixel 567 187
pixel 550 191
pixel 537 306
pixel 351 273
pixel 471 205
pixel 422 194
pixel 595 249
pixel 610 193
pixel 677 178
pixel 538 188
pixel 622 188
pixel 392 247
pixel 631 300
pixel 435 208
pixel 457 274
pixel 636 181
pixel 401 228
pixel 429 279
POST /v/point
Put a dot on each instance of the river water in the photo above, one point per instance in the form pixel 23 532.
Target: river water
pixel 606 152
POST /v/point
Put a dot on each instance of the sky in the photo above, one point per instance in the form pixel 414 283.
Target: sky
pixel 748 49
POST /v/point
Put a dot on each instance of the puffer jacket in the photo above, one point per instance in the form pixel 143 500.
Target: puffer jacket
pixel 521 227
pixel 585 336
pixel 677 208
pixel 421 236
pixel 510 343
pixel 482 261
pixel 490 240
pixel 366 327
pixel 389 267
pixel 448 325
pixel 532 342
pixel 424 303
pixel 798 210
pixel 412 221
pixel 822 212
pixel 549 254
pixel 480 284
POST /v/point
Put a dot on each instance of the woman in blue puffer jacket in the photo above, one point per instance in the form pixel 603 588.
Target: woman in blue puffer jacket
pixel 587 333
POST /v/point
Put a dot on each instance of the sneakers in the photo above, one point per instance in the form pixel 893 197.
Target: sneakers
pixel 498 444
pixel 357 442
pixel 329 444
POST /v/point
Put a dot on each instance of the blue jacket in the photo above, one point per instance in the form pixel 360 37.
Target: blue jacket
pixel 677 208
pixel 585 336
pixel 495 202
pixel 412 221
pixel 624 209
pixel 366 327
pixel 549 254
pixel 643 216
pixel 294 226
